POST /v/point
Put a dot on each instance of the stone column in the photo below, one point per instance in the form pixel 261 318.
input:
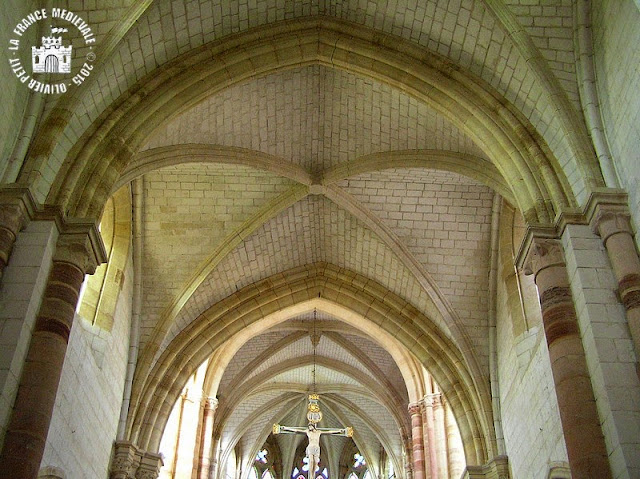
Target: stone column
pixel 78 251
pixel 16 206
pixel 206 441
pixel 440 434
pixel 614 227
pixel 417 443
pixel 580 422
pixel 455 452
pixel 430 437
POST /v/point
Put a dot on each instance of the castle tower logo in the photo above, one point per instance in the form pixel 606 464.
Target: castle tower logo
pixel 51 61
pixel 52 56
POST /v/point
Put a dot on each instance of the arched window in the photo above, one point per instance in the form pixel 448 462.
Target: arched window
pixel 301 471
pixel 359 468
pixel 100 291
pixel 263 465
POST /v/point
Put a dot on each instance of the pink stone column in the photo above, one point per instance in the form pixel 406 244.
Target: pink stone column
pixel 580 422
pixel 417 442
pixel 29 423
pixel 614 227
pixel 204 460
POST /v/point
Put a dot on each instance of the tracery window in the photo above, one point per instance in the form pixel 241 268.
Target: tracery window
pixel 359 468
pixel 303 471
pixel 262 466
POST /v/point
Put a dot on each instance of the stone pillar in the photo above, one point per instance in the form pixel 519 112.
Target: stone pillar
pixel 206 441
pixel 16 206
pixel 440 434
pixel 614 227
pixel 78 251
pixel 455 452
pixel 430 437
pixel 417 443
pixel 580 422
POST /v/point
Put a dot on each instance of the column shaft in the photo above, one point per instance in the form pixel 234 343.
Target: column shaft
pixel 440 437
pixel 614 228
pixel 580 422
pixel 417 441
pixel 430 448
pixel 29 424
pixel 204 462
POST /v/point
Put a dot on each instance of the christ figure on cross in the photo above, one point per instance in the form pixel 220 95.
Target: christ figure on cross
pixel 313 433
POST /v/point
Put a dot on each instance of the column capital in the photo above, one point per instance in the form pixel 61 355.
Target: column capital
pixel 414 408
pixel 609 220
pixel 80 244
pixel 150 465
pixel 17 206
pixel 210 403
pixel 126 460
pixel 541 254
pixel 431 400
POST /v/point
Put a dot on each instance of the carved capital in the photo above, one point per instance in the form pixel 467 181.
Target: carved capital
pixel 210 403
pixel 414 409
pixel 81 245
pixel 126 460
pixel 543 253
pixel 17 205
pixel 611 220
pixel 149 466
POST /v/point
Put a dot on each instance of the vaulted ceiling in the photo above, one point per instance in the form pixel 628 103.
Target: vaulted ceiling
pixel 259 152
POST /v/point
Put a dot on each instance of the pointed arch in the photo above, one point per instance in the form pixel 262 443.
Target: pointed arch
pixel 94 164
pixel 354 299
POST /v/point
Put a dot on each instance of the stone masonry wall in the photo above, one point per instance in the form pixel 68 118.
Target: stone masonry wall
pixel 87 409
pixel 13 94
pixel 530 416
pixel 616 33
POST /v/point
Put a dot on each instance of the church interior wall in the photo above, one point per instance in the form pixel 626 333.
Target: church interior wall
pixel 23 286
pixel 608 346
pixel 89 398
pixel 530 417
pixel 87 408
pixel 617 62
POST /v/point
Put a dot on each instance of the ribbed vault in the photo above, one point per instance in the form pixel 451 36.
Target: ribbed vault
pixel 354 299
pixel 533 174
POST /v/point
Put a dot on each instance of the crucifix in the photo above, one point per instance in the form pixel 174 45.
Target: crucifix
pixel 313 433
